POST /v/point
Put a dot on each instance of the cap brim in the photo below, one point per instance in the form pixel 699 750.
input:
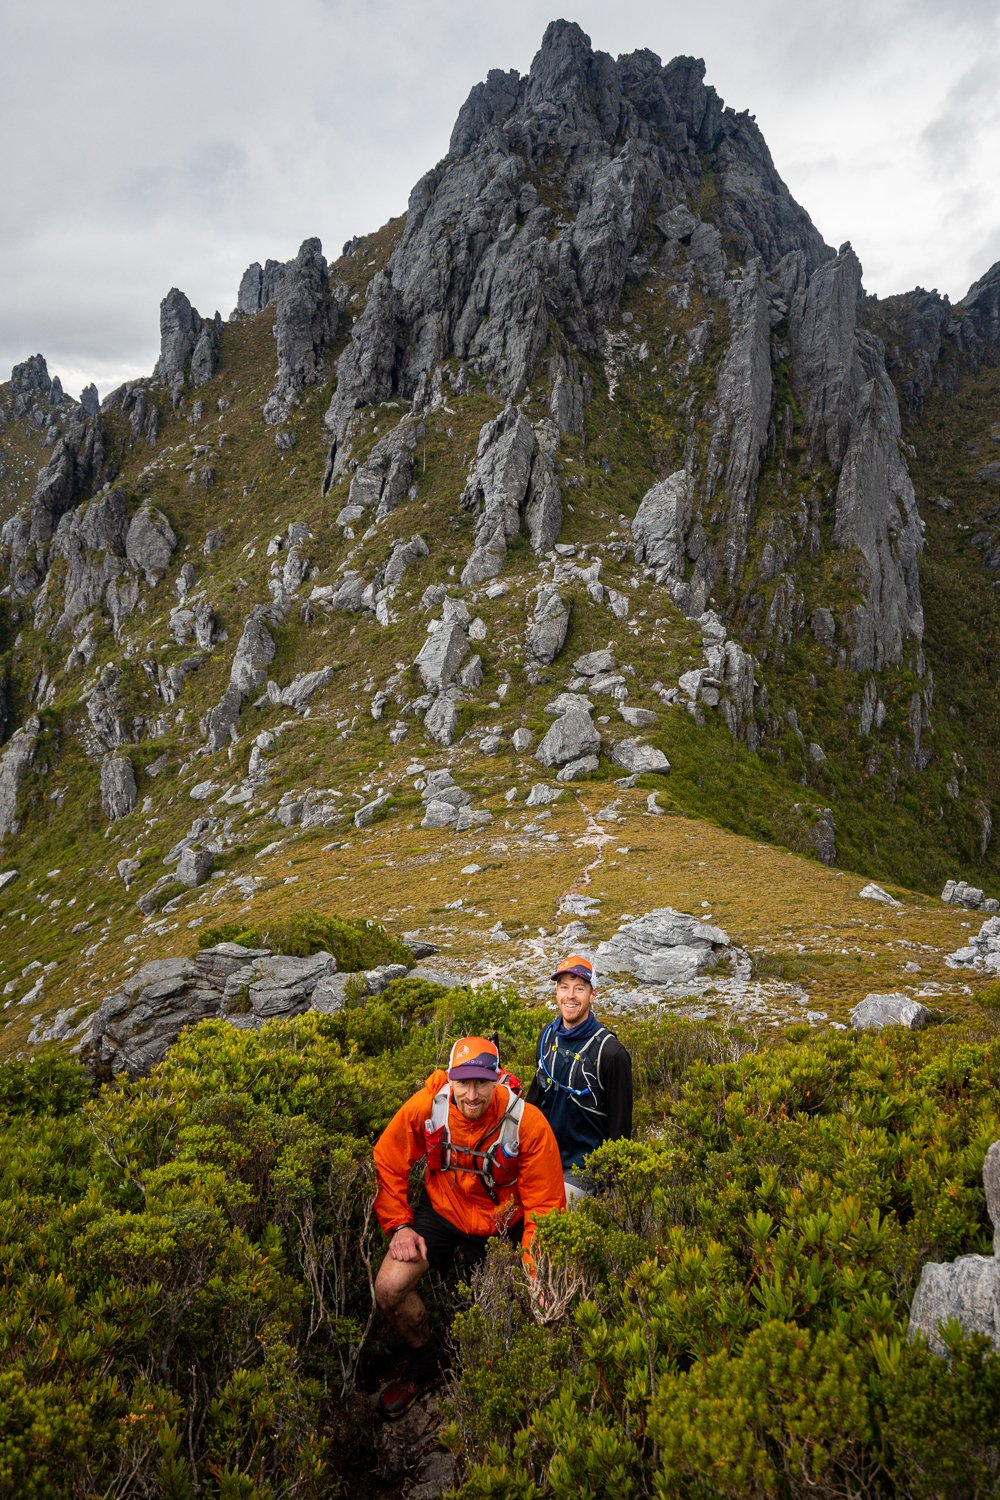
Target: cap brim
pixel 473 1070
pixel 576 974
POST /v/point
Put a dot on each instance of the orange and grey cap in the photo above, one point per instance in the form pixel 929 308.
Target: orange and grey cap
pixel 474 1057
pixel 580 966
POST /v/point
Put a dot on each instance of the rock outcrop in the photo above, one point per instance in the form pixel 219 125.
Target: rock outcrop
pixel 16 760
pixel 78 465
pixel 983 952
pixel 305 326
pixel 513 480
pixel 664 947
pixel 134 1028
pixel 118 789
pixel 189 345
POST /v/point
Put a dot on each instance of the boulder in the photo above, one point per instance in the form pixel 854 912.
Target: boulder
pixel 636 758
pixel 576 770
pixel 639 718
pixel 550 623
pixel 595 664
pixel 301 688
pixel 441 655
pixel 822 835
pixel 872 892
pixel 991 1186
pixel 958 893
pixel 570 738
pixel 471 675
pixel 119 794
pixel 383 481
pixel 664 947
pixel 564 702
pixel 469 817
pixel 541 795
pixel 441 719
pixel 966 1290
pixel 254 654
pixel 150 543
pixel 440 815
pixel 521 740
pixel 661 530
pixel 403 556
pixel 365 816
pixel 195 866
pixel 219 724
pixel 876 1011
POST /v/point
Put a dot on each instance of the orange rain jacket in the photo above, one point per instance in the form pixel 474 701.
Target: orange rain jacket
pixel 461 1197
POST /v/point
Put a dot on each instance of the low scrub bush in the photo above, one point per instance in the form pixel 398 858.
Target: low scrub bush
pixel 354 944
pixel 734 1299
pixel 188 1262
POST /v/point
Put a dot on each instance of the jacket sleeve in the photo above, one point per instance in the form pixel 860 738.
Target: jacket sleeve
pixel 400 1145
pixel 617 1085
pixel 539 1173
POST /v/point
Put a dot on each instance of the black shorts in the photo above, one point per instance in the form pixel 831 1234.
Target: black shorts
pixel 443 1239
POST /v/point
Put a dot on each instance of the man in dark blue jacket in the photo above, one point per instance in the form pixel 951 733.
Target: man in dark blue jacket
pixel 583 1077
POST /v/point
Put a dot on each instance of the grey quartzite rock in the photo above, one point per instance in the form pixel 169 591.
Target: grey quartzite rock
pixel 876 1011
pixel 442 654
pixel 550 622
pixel 570 738
pixel 637 758
pixel 195 866
pixel 119 794
pixel 150 543
pixel 664 947
pixel 982 952
pixel 16 760
pixel 254 654
pixel 305 320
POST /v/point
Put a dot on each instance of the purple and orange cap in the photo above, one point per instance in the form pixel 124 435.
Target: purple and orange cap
pixel 474 1057
pixel 579 966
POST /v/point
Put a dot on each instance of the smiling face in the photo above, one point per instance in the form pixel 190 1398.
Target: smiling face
pixel 574 997
pixel 472 1096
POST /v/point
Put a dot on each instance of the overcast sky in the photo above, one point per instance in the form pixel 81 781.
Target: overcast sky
pixel 157 146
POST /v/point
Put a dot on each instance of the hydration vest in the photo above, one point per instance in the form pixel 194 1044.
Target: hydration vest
pixel 496 1167
pixel 581 1068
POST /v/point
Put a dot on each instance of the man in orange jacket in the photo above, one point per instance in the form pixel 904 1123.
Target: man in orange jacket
pixel 492 1167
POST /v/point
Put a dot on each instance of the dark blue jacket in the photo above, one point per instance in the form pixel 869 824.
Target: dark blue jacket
pixel 583 1086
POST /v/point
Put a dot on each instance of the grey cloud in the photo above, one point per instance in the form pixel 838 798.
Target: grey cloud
pixel 970 105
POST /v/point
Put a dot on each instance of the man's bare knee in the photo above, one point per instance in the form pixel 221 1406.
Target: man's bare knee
pixel 395 1281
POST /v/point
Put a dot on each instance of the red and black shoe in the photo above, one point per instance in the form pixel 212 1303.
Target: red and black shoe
pixel 421 1373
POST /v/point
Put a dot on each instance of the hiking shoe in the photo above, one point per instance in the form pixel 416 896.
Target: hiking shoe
pixel 418 1376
